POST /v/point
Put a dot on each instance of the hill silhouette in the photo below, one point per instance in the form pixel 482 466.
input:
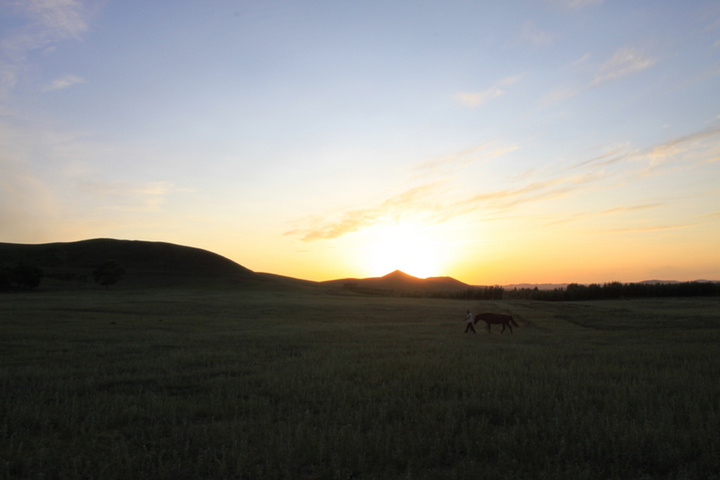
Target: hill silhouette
pixel 399 281
pixel 162 264
pixel 146 263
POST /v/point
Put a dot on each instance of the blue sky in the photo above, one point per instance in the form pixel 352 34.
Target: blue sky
pixel 497 142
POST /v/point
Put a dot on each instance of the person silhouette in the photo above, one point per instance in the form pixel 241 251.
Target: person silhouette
pixel 469 319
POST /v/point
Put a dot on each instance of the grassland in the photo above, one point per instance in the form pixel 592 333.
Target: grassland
pixel 186 384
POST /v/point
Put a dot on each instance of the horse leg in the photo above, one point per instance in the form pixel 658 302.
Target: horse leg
pixel 501 331
pixel 510 327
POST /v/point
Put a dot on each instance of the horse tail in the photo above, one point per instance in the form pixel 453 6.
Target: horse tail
pixel 513 321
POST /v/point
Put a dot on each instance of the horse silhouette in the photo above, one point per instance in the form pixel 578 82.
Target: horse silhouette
pixel 496 319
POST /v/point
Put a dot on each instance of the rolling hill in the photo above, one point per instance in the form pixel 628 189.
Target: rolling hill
pixel 147 264
pixel 160 264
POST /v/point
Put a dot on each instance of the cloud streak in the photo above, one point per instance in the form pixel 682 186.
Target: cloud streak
pixel 412 202
pixel 48 22
pixel 477 99
pixel 148 197
pixel 533 35
pixel 608 212
pixel 52 20
pixel 624 61
pixel 64 82
pixel 440 200
pixel 501 200
pixel 648 229
pixel 694 149
pixel 429 204
pixel 481 153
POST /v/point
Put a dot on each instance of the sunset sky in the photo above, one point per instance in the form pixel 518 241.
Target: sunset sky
pixel 494 142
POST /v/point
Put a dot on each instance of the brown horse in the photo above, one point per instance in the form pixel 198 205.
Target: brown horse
pixel 496 318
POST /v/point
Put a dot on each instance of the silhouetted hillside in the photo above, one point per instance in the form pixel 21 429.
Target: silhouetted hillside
pixel 400 282
pixel 146 263
pixel 160 264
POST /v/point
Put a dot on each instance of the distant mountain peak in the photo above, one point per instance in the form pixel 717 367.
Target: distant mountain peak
pixel 399 274
pixel 400 281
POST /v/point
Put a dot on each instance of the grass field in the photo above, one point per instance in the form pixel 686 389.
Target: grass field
pixel 173 384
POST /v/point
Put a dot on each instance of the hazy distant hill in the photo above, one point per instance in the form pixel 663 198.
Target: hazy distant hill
pixel 146 263
pixel 398 281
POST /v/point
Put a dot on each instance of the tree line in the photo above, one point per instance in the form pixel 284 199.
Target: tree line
pixel 470 293
pixel 616 290
pixel 21 275
pixel 26 277
pixel 572 292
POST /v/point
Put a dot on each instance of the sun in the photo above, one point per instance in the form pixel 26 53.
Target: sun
pixel 411 249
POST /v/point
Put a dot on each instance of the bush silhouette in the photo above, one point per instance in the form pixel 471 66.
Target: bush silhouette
pixel 109 273
pixel 23 275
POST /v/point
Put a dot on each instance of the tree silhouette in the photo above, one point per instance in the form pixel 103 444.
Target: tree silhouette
pixel 615 290
pixel 27 276
pixel 109 273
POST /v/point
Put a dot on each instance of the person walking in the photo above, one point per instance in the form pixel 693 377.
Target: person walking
pixel 470 322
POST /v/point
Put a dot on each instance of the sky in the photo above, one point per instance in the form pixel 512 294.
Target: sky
pixel 545 141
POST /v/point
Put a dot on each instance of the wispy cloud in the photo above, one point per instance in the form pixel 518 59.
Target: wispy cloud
pixel 712 215
pixel 59 18
pixel 558 96
pixel 148 197
pixel 610 157
pixel 431 203
pixel 699 147
pixel 428 201
pixel 350 221
pixel 63 82
pixel 608 212
pixel 409 203
pixel 476 99
pixel 442 200
pixel 648 229
pixel 8 78
pixel 485 152
pixel 624 61
pixel 535 36
pixel 529 193
pixel 47 22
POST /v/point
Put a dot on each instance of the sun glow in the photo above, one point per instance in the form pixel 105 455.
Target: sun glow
pixel 412 249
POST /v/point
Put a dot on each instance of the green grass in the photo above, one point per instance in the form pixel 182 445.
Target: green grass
pixel 167 384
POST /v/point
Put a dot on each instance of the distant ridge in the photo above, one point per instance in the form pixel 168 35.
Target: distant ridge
pixel 152 264
pixel 399 281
